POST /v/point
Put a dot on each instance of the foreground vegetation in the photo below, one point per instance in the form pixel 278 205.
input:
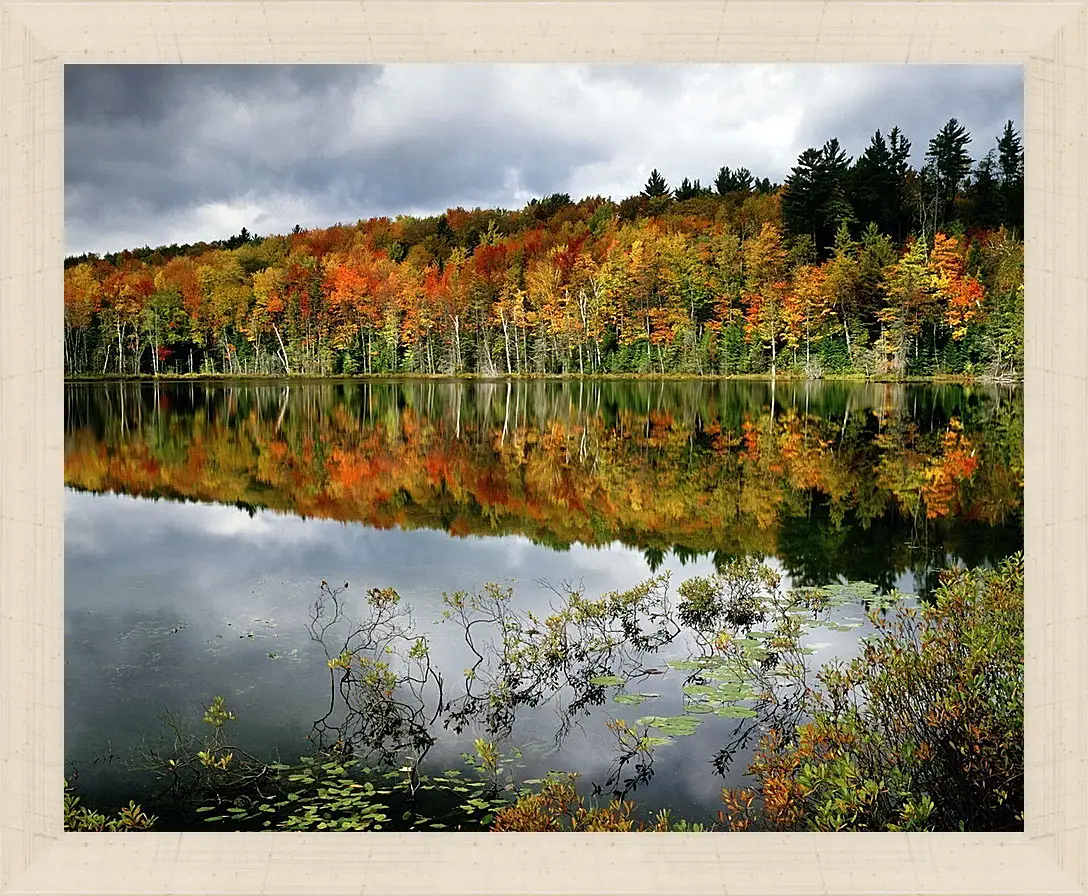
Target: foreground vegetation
pixel 922 730
pixel 865 267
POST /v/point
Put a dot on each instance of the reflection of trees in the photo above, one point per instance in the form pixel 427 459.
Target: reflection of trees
pixel 567 659
pixel 731 643
pixel 836 480
pixel 387 696
pixel 380 679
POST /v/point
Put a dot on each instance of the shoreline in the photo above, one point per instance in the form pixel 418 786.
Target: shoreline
pixel 940 379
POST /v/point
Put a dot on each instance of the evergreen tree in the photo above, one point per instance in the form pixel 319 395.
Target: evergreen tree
pixel 815 201
pixel 877 183
pixel 689 190
pixel 951 164
pixel 984 194
pixel 729 181
pixel 656 188
pixel 1010 154
pixel 899 147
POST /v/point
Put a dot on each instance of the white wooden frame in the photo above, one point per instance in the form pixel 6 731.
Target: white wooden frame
pixel 38 36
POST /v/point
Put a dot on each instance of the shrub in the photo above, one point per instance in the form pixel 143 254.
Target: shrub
pixel 922 731
pixel 81 819
pixel 558 806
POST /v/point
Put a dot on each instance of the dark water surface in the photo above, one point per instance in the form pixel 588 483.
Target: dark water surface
pixel 202 518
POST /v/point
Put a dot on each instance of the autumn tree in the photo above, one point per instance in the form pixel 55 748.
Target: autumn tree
pixel 82 301
pixel 911 294
pixel 765 286
pixel 809 306
pixel 962 294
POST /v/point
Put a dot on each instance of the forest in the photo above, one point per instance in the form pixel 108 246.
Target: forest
pixel 866 267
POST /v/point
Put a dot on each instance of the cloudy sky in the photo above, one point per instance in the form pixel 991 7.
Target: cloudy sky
pixel 163 154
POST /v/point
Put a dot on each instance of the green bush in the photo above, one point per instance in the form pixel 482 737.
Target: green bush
pixel 80 819
pixel 923 731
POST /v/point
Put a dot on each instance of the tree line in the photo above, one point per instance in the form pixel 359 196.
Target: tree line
pixel 865 266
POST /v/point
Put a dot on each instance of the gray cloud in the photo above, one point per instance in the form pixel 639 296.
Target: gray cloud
pixel 157 154
pixel 982 98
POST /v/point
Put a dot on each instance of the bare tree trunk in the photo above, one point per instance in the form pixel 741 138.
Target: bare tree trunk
pixel 482 335
pixel 505 339
pixel 808 346
pixel 506 418
pixel 275 329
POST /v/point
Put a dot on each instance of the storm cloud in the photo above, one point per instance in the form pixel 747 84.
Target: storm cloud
pixel 162 154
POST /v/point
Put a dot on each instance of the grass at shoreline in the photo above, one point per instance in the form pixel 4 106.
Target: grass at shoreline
pixel 950 379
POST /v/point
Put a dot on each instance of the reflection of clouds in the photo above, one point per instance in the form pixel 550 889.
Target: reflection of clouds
pixel 141 519
pixel 229 522
pixel 136 569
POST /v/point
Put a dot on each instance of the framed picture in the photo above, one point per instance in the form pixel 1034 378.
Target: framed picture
pixel 433 428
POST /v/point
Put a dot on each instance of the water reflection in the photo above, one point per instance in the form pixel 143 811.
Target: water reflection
pixel 834 480
pixel 433 487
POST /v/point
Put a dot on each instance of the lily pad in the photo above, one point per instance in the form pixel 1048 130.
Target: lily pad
pixel 725 674
pixel 629 699
pixel 735 712
pixel 673 725
pixel 687 665
pixel 841 593
pixel 607 681
pixel 836 627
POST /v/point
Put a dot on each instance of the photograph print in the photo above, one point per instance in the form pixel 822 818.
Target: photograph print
pixel 543 448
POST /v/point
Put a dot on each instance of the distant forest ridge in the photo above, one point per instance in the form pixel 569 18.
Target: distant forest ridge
pixel 851 266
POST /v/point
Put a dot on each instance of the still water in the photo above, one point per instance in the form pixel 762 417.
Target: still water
pixel 202 519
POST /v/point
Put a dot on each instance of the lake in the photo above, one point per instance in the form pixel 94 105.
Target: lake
pixel 202 520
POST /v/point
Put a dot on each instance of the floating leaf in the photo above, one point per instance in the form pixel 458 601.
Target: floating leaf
pixel 735 712
pixel 700 690
pixel 686 665
pixel 673 725
pixel 629 699
pixel 607 680
pixel 732 676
